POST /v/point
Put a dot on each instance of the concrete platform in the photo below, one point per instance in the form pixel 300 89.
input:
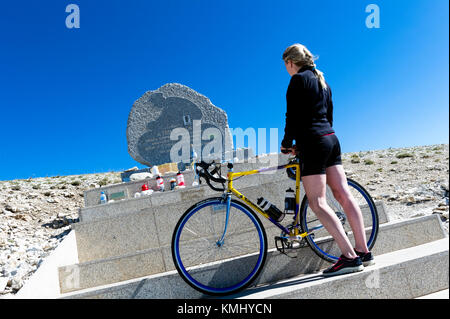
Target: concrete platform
pixel 133 247
pixel 169 285
pixel 153 227
pixel 147 228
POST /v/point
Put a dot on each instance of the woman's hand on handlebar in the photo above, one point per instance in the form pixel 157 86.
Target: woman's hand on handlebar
pixel 290 150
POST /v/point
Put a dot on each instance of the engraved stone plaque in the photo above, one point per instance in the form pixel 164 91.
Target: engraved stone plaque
pixel 165 124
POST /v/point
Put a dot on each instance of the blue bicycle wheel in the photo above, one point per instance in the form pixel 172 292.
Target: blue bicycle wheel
pixel 215 261
pixel 321 242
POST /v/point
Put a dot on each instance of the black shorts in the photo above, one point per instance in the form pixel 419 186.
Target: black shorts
pixel 316 154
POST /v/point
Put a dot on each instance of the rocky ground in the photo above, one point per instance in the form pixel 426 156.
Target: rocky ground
pixel 35 214
pixel 412 181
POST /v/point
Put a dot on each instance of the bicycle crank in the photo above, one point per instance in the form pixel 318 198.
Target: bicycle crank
pixel 286 243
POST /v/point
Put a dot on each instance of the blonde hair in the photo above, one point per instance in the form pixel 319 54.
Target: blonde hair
pixel 300 56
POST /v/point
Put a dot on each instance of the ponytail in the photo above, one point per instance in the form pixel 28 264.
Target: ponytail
pixel 319 75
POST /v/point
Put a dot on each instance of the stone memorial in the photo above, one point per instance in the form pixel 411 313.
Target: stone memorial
pixel 164 125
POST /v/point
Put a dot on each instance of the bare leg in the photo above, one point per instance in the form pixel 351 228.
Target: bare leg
pixel 337 181
pixel 315 188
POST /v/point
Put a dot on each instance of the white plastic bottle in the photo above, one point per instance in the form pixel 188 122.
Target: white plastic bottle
pixel 180 180
pixel 196 178
pixel 103 199
pixel 160 183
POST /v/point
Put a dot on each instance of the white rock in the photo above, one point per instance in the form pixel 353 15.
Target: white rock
pixel 68 194
pixel 147 192
pixel 16 283
pixel 12 208
pixel 3 284
pixel 140 176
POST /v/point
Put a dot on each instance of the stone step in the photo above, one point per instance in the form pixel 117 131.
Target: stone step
pixel 392 236
pixel 92 196
pixel 416 271
pixel 405 274
pixel 187 197
pixel 152 227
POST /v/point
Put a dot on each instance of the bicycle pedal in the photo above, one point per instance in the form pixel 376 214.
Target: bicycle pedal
pixel 287 246
pixel 283 243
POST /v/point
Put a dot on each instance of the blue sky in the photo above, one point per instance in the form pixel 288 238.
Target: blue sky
pixel 65 94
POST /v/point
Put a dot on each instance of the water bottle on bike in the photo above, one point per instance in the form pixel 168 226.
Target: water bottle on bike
pixel 270 209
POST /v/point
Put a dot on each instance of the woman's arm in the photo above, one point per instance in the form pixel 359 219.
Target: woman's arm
pixel 293 106
pixel 330 108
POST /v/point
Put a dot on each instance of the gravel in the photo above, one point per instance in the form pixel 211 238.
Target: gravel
pixel 35 216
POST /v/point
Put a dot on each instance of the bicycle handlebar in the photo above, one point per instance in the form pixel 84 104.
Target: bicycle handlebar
pixel 209 176
pixel 289 150
pixel 203 172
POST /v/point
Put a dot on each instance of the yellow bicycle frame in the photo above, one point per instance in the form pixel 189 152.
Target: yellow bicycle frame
pixel 294 231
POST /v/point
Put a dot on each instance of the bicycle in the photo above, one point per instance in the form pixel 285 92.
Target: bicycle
pixel 219 245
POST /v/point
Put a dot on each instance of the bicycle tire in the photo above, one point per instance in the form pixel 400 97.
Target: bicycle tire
pixel 323 245
pixel 210 276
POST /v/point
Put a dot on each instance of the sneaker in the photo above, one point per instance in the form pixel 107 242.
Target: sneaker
pixel 344 265
pixel 366 258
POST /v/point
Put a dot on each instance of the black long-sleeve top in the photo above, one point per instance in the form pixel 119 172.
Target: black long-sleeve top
pixel 309 108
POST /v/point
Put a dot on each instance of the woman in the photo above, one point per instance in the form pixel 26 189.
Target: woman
pixel 309 120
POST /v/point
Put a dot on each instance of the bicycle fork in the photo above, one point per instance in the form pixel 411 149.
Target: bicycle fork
pixel 220 242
